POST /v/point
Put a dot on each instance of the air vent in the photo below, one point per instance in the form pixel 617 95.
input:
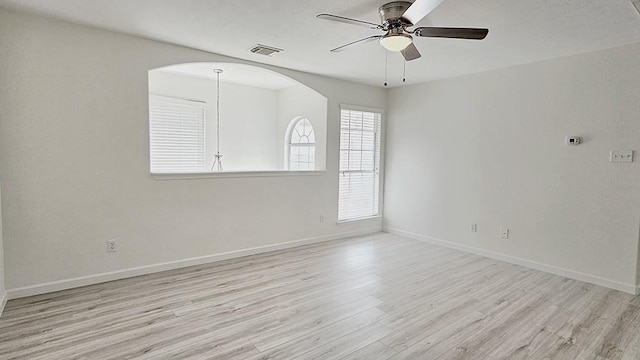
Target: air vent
pixel 637 5
pixel 264 50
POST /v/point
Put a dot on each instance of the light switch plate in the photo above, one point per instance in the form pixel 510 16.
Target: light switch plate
pixel 621 156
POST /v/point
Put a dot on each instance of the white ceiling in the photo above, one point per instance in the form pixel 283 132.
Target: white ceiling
pixel 521 31
pixel 233 73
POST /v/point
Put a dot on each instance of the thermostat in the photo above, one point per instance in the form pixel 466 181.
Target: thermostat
pixel 573 140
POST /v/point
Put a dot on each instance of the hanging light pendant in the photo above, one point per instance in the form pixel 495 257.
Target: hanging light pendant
pixel 217 158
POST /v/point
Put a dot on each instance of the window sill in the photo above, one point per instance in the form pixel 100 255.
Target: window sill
pixel 359 219
pixel 234 174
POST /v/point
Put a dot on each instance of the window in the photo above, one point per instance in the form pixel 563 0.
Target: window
pixel 302 145
pixel 176 135
pixel 359 164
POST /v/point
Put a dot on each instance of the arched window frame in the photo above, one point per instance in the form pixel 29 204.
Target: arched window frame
pixel 293 147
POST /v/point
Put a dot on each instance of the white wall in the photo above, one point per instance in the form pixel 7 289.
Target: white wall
pixel 3 288
pixel 299 101
pixel 248 118
pixel 490 149
pixel 74 161
pixel 638 267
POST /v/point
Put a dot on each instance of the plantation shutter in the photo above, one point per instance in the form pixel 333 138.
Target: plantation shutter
pixel 176 135
pixel 359 183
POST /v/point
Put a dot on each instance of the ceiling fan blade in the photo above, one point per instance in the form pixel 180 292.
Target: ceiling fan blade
pixel 419 9
pixel 411 52
pixel 452 33
pixel 361 41
pixel 347 20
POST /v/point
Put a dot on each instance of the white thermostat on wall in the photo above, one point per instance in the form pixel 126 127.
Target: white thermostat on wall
pixel 574 140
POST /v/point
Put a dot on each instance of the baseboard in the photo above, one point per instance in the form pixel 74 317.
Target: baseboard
pixel 149 269
pixel 612 284
pixel 3 302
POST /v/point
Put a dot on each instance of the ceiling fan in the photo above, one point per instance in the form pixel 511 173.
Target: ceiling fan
pixel 397 17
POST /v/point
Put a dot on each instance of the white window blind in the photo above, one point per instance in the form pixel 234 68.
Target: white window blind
pixel 302 146
pixel 359 164
pixel 176 135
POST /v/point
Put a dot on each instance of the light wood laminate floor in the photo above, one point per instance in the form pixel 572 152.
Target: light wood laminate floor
pixel 374 297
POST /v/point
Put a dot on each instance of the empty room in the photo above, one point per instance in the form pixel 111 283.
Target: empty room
pixel 297 179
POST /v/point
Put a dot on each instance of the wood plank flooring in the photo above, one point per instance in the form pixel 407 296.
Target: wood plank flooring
pixel 374 297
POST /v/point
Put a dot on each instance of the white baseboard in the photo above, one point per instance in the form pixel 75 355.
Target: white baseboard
pixel 148 269
pixel 3 302
pixel 612 284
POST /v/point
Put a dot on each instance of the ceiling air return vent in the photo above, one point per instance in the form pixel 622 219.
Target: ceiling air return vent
pixel 264 50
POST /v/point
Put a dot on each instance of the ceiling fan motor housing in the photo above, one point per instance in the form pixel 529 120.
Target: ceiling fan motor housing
pixel 391 14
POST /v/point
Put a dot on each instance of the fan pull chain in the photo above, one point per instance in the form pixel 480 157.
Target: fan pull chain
pixel 404 71
pixel 386 61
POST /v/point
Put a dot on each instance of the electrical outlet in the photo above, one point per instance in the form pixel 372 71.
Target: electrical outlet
pixel 621 156
pixel 474 227
pixel 504 233
pixel 112 245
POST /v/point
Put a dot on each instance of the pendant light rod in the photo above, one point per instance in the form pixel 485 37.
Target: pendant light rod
pixel 217 158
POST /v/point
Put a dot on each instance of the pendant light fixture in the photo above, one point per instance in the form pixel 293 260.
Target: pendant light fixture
pixel 217 158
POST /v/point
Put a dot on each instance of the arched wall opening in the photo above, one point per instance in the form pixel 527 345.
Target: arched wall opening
pixel 256 106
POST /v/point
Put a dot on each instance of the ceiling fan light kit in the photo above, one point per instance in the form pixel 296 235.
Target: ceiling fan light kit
pixel 396 42
pixel 396 19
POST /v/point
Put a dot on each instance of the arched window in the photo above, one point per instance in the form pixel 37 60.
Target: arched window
pixel 302 145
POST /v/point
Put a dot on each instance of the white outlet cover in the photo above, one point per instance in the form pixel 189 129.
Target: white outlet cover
pixel 621 156
pixel 112 245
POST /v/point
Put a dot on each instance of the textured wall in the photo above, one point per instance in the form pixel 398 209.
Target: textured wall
pixel 490 149
pixel 75 164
